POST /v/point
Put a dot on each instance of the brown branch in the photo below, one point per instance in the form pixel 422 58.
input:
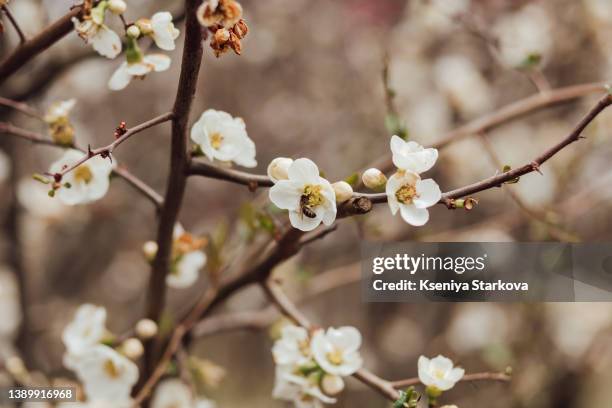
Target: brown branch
pixel 32 47
pixel 179 165
pixel 147 191
pixel 14 23
pixel 253 181
pixel 106 151
pixel 286 306
pixel 21 107
pixel 466 378
pixel 506 114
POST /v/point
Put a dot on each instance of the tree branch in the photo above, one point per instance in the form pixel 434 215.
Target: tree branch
pixel 253 181
pixel 32 47
pixel 179 164
pixel 14 23
pixel 21 107
pixel 486 376
pixel 120 171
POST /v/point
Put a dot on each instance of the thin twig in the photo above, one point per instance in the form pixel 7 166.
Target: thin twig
pixel 141 186
pixel 21 107
pixel 107 150
pixel 201 168
pixel 486 376
pixel 14 23
pixel 34 46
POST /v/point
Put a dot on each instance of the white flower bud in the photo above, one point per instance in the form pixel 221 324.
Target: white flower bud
pixel 132 348
pixel 278 168
pixel 374 179
pixel 144 24
pixel 332 384
pixel 133 31
pixel 343 191
pixel 150 250
pixel 146 328
pixel 117 6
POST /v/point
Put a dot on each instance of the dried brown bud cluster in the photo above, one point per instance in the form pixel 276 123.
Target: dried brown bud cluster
pixel 120 130
pixel 223 18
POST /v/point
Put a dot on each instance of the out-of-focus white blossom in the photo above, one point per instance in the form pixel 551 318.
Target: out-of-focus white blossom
pixel 138 69
pixel 224 138
pixel 304 392
pixel 86 329
pixel 525 37
pixel 106 375
pixel 278 169
pixel 146 328
pixel 374 179
pixel 293 347
pixel 163 31
pixel 88 182
pixel 93 30
pixel 343 191
pixel 464 85
pixel 411 156
pixel 412 196
pixel 309 197
pixel 332 384
pixel 187 259
pixel 60 128
pixel 337 350
pixel 439 373
pixel 10 311
pixel 172 393
pixel 34 197
pixel 476 326
pixel 438 14
pixel 5 167
pixel 599 9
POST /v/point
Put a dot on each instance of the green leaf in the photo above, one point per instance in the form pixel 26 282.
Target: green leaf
pixel 395 126
pixel 531 61
pixel 401 401
pixel 353 179
pixel 506 169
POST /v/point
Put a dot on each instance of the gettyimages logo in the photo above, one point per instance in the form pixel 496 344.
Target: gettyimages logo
pixel 414 264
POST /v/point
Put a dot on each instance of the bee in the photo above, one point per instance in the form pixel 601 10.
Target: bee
pixel 305 208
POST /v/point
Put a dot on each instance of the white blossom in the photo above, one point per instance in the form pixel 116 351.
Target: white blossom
pixel 205 403
pixel 412 196
pixel 304 392
pixel 224 138
pixel 187 257
pixel 293 347
pixel 337 350
pixel 105 374
pixel 278 169
pixel 332 384
pixel 86 329
pixel 138 69
pixel 34 198
pixel 172 393
pixel 88 182
pixel 524 35
pixel 146 328
pixel 163 31
pixel 59 110
pixel 412 156
pixel 343 191
pixel 439 372
pixel 117 6
pixel 309 197
pixel 132 348
pixel 93 30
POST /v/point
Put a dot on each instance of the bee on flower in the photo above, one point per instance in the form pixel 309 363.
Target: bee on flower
pixel 309 198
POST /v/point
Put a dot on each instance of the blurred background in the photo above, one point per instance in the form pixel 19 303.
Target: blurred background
pixel 311 83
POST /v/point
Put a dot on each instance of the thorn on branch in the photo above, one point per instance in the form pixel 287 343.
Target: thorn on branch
pixel 253 186
pixel 535 166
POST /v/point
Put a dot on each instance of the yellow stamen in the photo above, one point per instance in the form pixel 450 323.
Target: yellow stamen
pixel 215 140
pixel 406 193
pixel 335 357
pixel 313 194
pixel 83 173
pixel 111 369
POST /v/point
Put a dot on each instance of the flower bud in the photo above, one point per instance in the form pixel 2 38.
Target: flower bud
pixel 133 31
pixel 332 384
pixel 374 179
pixel 150 250
pixel 117 6
pixel 222 35
pixel 144 24
pixel 132 348
pixel 278 168
pixel 241 29
pixel 146 328
pixel 343 191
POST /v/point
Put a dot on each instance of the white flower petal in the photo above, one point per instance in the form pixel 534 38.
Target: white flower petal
pixel 428 193
pixel 106 42
pixel 120 78
pixel 413 215
pixel 304 170
pixel 159 62
pixel 286 195
pixel 304 223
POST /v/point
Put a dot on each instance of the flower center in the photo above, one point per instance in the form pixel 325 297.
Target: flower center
pixel 83 174
pixel 312 196
pixel 406 193
pixel 111 369
pixel 215 140
pixel 439 374
pixel 335 357
pixel 304 348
